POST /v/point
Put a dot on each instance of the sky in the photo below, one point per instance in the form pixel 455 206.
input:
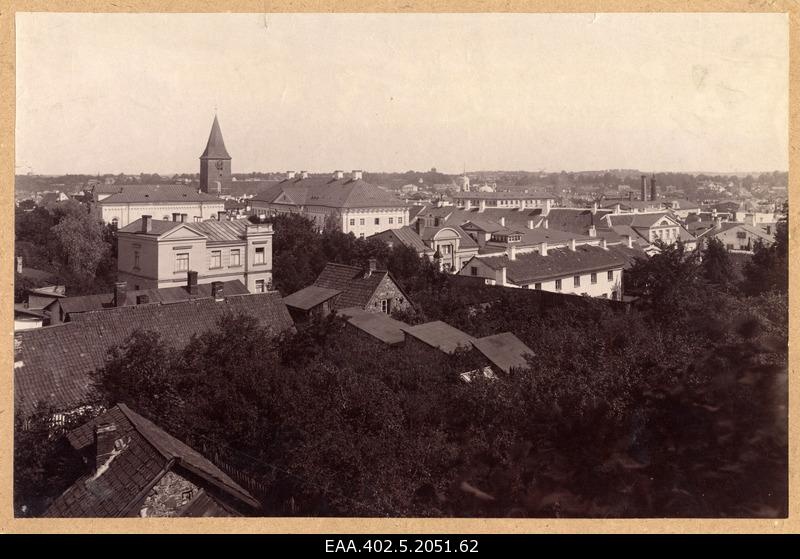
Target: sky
pixel 130 93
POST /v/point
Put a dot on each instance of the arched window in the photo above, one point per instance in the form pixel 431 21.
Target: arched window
pixel 165 218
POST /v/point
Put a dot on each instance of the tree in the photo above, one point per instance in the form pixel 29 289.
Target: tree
pixel 668 277
pixel 768 270
pixel 716 264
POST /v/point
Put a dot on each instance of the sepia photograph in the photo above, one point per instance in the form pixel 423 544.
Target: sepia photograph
pixel 400 265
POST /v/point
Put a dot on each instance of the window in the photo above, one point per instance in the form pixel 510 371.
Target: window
pixel 447 249
pixel 197 219
pixel 377 221
pixel 537 286
pixel 260 256
pixel 165 218
pixel 576 281
pixel 610 275
pixel 216 259
pixel 182 262
pixel 136 260
pixel 400 221
pixel 473 270
pixel 594 277
pixel 386 306
pixel 391 220
pixel 236 257
pixel 558 285
pixel 352 222
pixel 260 286
pixel 741 235
pixel 361 221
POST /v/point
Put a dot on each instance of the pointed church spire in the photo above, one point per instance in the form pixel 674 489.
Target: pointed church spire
pixel 215 149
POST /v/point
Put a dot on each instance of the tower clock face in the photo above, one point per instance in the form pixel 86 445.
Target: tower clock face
pixel 219 165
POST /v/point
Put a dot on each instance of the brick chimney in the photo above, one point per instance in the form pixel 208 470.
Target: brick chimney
pixel 594 208
pixel 481 205
pixel 142 299
pixel 120 293
pixel 303 174
pixel 502 221
pixel 628 240
pixel 653 188
pixel 19 264
pixel 290 175
pixel 547 205
pixel 105 434
pixel 338 175
pixel 191 282
pixel 604 243
pixel 176 216
pixel 572 245
pixel 592 231
pixel 512 252
pixel 372 265
pixel 543 248
pixel 147 223
pixel 530 224
pixel 217 289
pixel 221 215
pixel 357 174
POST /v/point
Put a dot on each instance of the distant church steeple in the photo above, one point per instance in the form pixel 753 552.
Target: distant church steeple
pixel 215 163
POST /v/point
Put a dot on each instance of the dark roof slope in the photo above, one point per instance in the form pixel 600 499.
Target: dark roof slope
pixel 55 363
pixel 504 350
pixel 309 297
pixel 84 303
pixel 440 335
pixel 532 266
pixel 575 220
pixel 147 452
pixel 215 148
pixel 377 324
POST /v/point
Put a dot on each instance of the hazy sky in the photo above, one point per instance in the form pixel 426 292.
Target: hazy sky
pixel 137 92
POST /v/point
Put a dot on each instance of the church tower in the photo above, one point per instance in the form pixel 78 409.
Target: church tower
pixel 215 164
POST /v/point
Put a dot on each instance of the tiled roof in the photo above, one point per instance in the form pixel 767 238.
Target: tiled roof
pixel 309 297
pixel 357 288
pixel 154 194
pixel 147 452
pixel 378 325
pixel 414 210
pixel 85 303
pixel 329 192
pixel 532 267
pixel 215 148
pixel 158 227
pixel 440 335
pixel 504 350
pixel 55 363
pixel 637 220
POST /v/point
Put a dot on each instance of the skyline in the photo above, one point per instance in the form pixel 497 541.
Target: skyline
pixel 668 92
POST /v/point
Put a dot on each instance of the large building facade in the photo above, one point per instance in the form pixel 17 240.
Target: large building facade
pixel 158 253
pixel 346 203
pixel 121 206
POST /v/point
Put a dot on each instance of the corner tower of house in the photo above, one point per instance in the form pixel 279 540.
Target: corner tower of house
pixel 215 163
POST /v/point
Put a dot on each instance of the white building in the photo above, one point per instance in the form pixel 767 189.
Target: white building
pixel 122 205
pixel 590 270
pixel 346 203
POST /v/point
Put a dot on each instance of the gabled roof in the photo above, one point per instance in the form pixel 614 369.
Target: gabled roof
pixel 157 194
pixel 440 335
pixel 55 363
pixel 639 220
pixel 406 235
pixel 215 148
pixel 356 285
pixel 329 192
pixel 532 267
pixel 84 303
pixel 146 453
pixel 504 350
pixel 309 297
pixel 378 325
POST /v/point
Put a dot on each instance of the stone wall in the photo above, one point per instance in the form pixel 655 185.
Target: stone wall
pixel 388 290
pixel 168 496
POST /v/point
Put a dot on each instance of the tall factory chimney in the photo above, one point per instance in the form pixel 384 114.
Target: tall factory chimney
pixel 644 188
pixel 653 189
